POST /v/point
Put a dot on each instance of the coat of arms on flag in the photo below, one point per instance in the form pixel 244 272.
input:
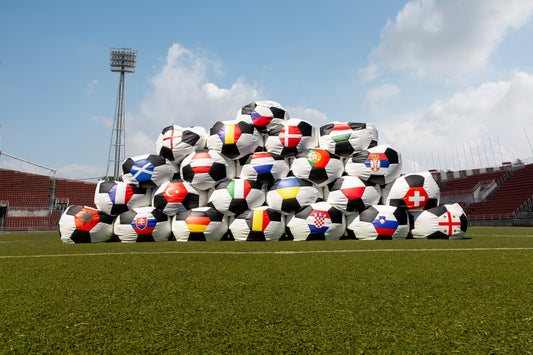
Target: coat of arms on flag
pixel 318 220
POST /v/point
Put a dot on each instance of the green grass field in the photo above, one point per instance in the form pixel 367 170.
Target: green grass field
pixel 415 296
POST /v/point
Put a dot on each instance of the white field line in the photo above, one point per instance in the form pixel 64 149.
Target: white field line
pixel 259 252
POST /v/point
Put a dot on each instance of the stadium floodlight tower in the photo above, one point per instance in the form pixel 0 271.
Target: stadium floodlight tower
pixel 123 61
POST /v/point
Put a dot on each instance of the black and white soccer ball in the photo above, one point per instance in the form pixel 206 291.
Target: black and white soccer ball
pixel 379 222
pixel 234 139
pixel 82 224
pixel 264 167
pixel 379 165
pixel 175 142
pixel 177 196
pixel 142 224
pixel 415 192
pixel 205 168
pixel 291 194
pixel 115 197
pixel 263 114
pixel 351 194
pixel 235 196
pixel 258 224
pixel 293 136
pixel 317 165
pixel 317 221
pixel 148 170
pixel 347 138
pixel 200 224
pixel 442 222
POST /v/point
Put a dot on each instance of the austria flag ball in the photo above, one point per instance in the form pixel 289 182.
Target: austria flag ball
pixel 236 196
pixel 317 165
pixel 351 194
pixel 317 221
pixel 291 194
pixel 263 114
pixel 175 142
pixel 148 170
pixel 290 138
pixel 142 224
pixel 442 222
pixel 234 139
pixel 177 196
pixel 115 197
pixel 258 224
pixel 414 192
pixel 379 165
pixel 200 224
pixel 82 224
pixel 379 222
pixel 264 167
pixel 205 168
pixel 347 138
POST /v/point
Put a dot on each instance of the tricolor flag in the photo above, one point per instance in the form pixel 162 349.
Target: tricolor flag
pixel 144 225
pixel 288 188
pixel 260 220
pixel 201 163
pixel 197 224
pixel 229 133
pixel 318 158
pixel 384 226
pixel 120 194
pixel 341 132
pixel 262 162
pixel 238 188
pixel 317 220
pixel 376 161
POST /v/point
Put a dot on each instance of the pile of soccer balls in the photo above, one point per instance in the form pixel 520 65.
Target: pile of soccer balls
pixel 265 176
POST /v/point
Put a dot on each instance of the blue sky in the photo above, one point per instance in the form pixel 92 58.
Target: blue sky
pixel 447 83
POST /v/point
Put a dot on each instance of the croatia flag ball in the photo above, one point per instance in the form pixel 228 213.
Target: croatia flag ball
pixel 258 224
pixel 290 138
pixel 318 221
pixel 234 139
pixel 115 197
pixel 415 192
pixel 379 165
pixel 82 224
pixel 205 168
pixel 351 194
pixel 142 224
pixel 291 194
pixel 264 167
pixel 148 170
pixel 442 222
pixel 379 222
pixel 236 196
pixel 347 138
pixel 200 224
pixel 175 142
pixel 264 114
pixel 177 196
pixel 317 165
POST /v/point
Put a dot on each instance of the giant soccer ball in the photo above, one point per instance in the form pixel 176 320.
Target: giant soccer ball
pixel 350 194
pixel 317 221
pixel 291 194
pixel 205 168
pixel 200 224
pixel 379 222
pixel 177 196
pixel 142 224
pixel 115 197
pixel 442 222
pixel 414 192
pixel 293 136
pixel 175 142
pixel 265 115
pixel 82 224
pixel 235 196
pixel 264 167
pixel 258 224
pixel 148 170
pixel 317 165
pixel 347 138
pixel 234 139
pixel 379 165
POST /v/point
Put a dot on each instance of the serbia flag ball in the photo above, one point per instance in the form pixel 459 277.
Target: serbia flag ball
pixel 379 222
pixel 379 165
pixel 142 224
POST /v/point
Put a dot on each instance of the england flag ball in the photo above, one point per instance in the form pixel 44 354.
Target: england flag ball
pixel 175 142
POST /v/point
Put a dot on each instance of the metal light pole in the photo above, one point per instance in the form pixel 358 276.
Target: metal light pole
pixel 123 61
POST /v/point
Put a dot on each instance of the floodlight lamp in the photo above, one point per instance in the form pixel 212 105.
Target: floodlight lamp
pixel 123 60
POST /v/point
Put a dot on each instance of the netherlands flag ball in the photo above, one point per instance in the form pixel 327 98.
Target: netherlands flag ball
pixel 200 224
pixel 142 224
pixel 148 170
pixel 347 138
pixel 263 167
pixel 82 224
pixel 205 168
pixel 234 139
pixel 318 221
pixel 290 138
pixel 258 224
pixel 115 197
pixel 379 165
pixel 442 222
pixel 175 142
pixel 379 222
pixel 351 194
pixel 263 114
pixel 236 196
pixel 291 194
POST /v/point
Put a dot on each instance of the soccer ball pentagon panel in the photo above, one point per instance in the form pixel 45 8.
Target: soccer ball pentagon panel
pixel 291 194
pixel 379 222
pixel 258 224
pixel 82 224
pixel 148 170
pixel 175 142
pixel 379 165
pixel 347 138
pixel 115 197
pixel 177 196
pixel 200 224
pixel 290 138
pixel 317 221
pixel 263 114
pixel 442 222
pixel 264 167
pixel 317 165
pixel 235 196
pixel 350 194
pixel 142 224
pixel 415 192
pixel 234 139
pixel 205 168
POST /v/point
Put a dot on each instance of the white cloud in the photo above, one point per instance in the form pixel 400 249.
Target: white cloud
pixel 379 94
pixel 311 115
pixel 445 38
pixel 91 87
